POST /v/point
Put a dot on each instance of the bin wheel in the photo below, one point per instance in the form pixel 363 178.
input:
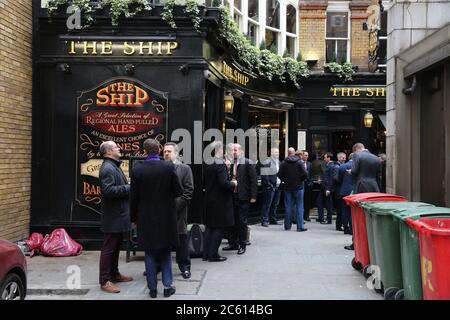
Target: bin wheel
pixel 381 290
pixel 400 295
pixel 365 271
pixel 389 293
pixel 356 265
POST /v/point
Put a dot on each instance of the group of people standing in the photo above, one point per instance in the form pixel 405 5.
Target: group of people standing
pixel 157 200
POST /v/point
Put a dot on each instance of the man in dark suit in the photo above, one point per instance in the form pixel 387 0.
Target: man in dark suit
pixel 341 158
pixel 270 184
pixel 366 172
pixel 115 191
pixel 307 186
pixel 244 172
pixel 218 204
pixel 154 188
pixel 325 197
pixel 184 174
pixel 346 187
pixel 293 174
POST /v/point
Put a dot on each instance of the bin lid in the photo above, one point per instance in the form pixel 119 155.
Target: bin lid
pixel 372 196
pixel 386 208
pixel 420 212
pixel 436 226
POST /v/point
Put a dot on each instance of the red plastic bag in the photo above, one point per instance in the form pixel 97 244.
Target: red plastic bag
pixel 60 244
pixel 34 243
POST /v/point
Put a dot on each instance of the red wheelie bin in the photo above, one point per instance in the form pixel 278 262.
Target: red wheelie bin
pixel 362 259
pixel 434 237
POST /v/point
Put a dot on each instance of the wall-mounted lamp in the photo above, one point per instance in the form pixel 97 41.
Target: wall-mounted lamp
pixel 228 102
pixel 311 62
pixel 368 119
pixel 65 67
pixel 129 69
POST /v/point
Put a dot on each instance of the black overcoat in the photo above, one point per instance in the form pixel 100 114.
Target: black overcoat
pixel 218 196
pixel 115 191
pixel 154 187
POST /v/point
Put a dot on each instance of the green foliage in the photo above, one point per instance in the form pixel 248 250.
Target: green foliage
pixel 261 61
pixel 126 8
pixel 194 13
pixel 216 3
pixel 167 14
pixel 344 71
pixel 82 5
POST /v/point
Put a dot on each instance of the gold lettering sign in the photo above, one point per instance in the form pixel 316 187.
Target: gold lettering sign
pixel 127 48
pixel 234 75
pixel 92 167
pixel 358 92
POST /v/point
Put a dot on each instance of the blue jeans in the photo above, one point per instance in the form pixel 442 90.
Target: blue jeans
pixel 153 258
pixel 271 198
pixel 291 198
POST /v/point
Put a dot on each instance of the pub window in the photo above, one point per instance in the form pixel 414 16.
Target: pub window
pixel 238 4
pixel 337 37
pixel 272 38
pixel 273 14
pixel 253 9
pixel 291 45
pixel 238 18
pixel 382 41
pixel 291 19
pixel 253 32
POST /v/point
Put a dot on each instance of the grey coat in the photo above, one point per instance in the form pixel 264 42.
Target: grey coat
pixel 184 174
pixel 115 191
pixel 366 170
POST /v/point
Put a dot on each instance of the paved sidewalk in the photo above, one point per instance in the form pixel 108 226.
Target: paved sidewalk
pixel 277 265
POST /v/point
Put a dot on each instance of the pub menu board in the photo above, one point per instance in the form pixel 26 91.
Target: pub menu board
pixel 125 111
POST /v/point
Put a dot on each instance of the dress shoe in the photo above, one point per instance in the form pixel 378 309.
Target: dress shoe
pixel 320 220
pixel 248 243
pixel 110 287
pixel 241 250
pixel 326 222
pixel 204 258
pixel 217 259
pixel 307 219
pixel 186 274
pixel 153 293
pixel 264 225
pixel 348 232
pixel 169 291
pixel 230 248
pixel 301 230
pixel 294 222
pixel 339 228
pixel 350 247
pixel 121 278
pixel 274 223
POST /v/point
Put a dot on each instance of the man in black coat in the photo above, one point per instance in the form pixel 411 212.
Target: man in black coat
pixel 218 204
pixel 246 191
pixel 154 187
pixel 184 174
pixel 325 197
pixel 115 191
pixel 270 184
pixel 292 173
pixel 308 185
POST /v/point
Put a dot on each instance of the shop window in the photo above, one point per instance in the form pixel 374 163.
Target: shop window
pixel 337 38
pixel 273 14
pixel 253 9
pixel 253 33
pixel 272 40
pixel 290 46
pixel 291 19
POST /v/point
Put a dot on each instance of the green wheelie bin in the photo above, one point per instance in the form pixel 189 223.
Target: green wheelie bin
pixel 410 249
pixel 385 235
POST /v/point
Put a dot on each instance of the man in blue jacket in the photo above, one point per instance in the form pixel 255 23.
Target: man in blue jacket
pixel 325 196
pixel 346 182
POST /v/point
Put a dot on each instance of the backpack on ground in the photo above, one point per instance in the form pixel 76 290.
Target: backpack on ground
pixel 195 238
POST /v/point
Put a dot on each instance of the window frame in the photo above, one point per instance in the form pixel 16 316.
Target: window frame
pixel 335 39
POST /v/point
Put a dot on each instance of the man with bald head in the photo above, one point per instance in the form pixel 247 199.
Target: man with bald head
pixel 292 173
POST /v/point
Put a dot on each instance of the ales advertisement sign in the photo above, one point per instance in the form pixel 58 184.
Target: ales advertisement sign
pixel 122 110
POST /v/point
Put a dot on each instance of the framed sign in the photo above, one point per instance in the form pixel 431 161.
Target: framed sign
pixel 123 110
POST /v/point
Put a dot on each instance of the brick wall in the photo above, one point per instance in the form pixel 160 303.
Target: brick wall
pixel 15 117
pixel 313 30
